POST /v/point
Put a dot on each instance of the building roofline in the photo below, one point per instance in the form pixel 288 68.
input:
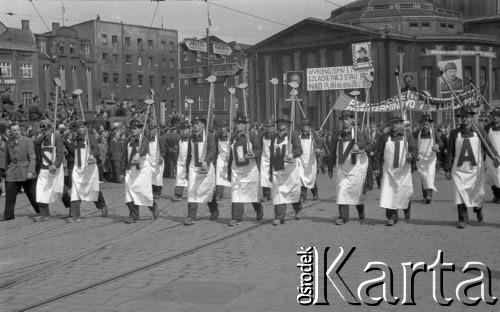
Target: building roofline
pixel 476 20
pixel 125 24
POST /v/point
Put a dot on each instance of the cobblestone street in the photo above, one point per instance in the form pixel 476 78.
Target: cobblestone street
pixel 103 264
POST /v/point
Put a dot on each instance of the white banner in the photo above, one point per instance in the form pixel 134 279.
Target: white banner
pixel 195 45
pixel 222 49
pixel 334 78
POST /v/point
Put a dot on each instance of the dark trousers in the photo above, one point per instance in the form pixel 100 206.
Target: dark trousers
pixel 266 193
pixel 44 209
pixel 116 170
pixel 463 214
pixel 394 213
pixel 178 190
pixel 303 192
pixel 427 193
pixel 496 191
pixel 219 190
pixel 74 208
pixel 134 209
pixel 68 179
pixel 157 189
pixel 193 207
pixel 11 189
pixel 280 210
pixel 344 212
pixel 170 164
pixel 237 210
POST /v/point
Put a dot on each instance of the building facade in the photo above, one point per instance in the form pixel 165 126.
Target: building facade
pixel 19 63
pixel 404 34
pixel 227 61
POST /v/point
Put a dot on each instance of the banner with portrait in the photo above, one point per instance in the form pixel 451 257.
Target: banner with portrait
pixel 452 77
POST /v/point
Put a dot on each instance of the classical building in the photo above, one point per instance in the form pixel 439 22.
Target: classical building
pixel 18 62
pixel 412 35
pixel 227 61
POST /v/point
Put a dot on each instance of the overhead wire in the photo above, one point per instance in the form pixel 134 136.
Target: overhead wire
pixel 39 14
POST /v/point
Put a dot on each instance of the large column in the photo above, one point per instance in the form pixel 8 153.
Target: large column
pixel 338 60
pixel 296 67
pixel 477 75
pixel 438 85
pixel 252 87
pixel 268 96
pixel 312 97
pixel 490 76
pixel 324 107
pixel 282 103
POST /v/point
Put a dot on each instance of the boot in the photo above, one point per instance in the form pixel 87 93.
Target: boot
pixel 428 199
pixel 154 209
pixel 192 211
pixel 343 215
pixel 407 212
pixel 361 212
pixel 134 213
pixel 280 213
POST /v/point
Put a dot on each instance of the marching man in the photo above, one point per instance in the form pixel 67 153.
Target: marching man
pixel 394 155
pixel 308 166
pixel 138 174
pixel 50 182
pixel 284 170
pixel 156 156
pixel 265 143
pixel 244 172
pixel 464 162
pixel 181 178
pixel 429 144
pixel 221 168
pixel 85 174
pixel 201 171
pixel 349 156
pixel 493 173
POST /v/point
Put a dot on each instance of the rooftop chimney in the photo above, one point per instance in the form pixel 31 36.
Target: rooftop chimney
pixel 55 26
pixel 25 24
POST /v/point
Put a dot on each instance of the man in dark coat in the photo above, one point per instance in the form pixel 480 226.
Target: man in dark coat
pixel 172 144
pixel 115 156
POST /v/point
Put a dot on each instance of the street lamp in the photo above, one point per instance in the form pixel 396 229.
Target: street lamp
pixel 275 81
pixel 190 103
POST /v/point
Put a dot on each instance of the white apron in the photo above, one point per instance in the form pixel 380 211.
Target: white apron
pixel 492 173
pixel 201 186
pixel 181 178
pixel 138 188
pixel 308 166
pixel 426 163
pixel 397 187
pixel 265 161
pixel 286 183
pixel 244 177
pixel 221 168
pixel 350 177
pixel 468 179
pixel 49 186
pixel 85 179
pixel 156 168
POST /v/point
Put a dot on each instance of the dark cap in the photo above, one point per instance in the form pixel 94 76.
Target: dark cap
pixel 466 111
pixel 449 66
pixel 283 118
pixel 306 122
pixel 396 117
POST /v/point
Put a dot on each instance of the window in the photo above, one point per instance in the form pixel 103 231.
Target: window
pixel 172 82
pixel 425 78
pixel 42 46
pixel 105 79
pixel 199 80
pixel 114 40
pixel 6 70
pixel 413 25
pixel 71 49
pixel 467 72
pixel 85 49
pixel 26 70
pixel 482 76
pixel 163 81
pixel 127 42
pixel 406 6
pixel 116 79
pixel 448 114
pixel 139 42
pixel 163 62
pixel 88 69
pixel 105 57
pixel 115 59
pixel 185 56
pixel 74 69
pixel 26 98
pixel 171 46
pixel 426 25
pixel 140 80
pixel 172 63
pixel 186 82
pixel 128 59
pixel 61 48
pixel 163 45
pixel 151 81
pixel 381 7
pixel 46 66
pixel 200 103
pixel 139 60
pixel 451 26
pixel 224 103
pixel 104 39
pixel 150 44
pixel 198 57
pixel 128 80
pixel 62 68
pixel 150 61
pixel 443 25
pixel 225 82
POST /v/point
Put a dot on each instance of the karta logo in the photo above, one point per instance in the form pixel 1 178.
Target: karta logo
pixel 310 291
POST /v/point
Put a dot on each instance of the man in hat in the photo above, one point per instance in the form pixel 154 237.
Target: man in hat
pixel 308 165
pixel 284 170
pixel 181 177
pixel 20 163
pixel 429 144
pixel 265 160
pixel 85 174
pixel 466 167
pixel 349 155
pixel 244 171
pixel 492 172
pixel 171 142
pixel 116 156
pixel 450 74
pixel 138 187
pixel 221 168
pixel 49 149
pixel 362 56
pixel 393 157
pixel 156 156
pixel 200 161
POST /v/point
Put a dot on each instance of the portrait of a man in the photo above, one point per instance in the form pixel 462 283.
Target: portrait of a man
pixel 362 56
pixel 452 74
pixel 409 82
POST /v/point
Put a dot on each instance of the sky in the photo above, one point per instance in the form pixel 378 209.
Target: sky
pixel 189 17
